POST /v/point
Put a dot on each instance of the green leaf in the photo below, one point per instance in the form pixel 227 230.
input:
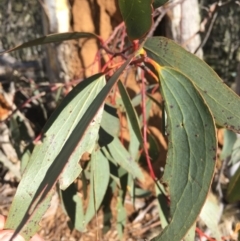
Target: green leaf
pixel 41 191
pixel 141 193
pixel 210 216
pixel 79 213
pixel 133 147
pixel 191 155
pixel 153 150
pixel 233 194
pixel 137 15
pixel 110 121
pixel 72 168
pixel 162 204
pixel 155 101
pixel 235 157
pixel 228 142
pixel 158 3
pixel 120 155
pixel 57 133
pixel 100 175
pixel 191 233
pixel 52 38
pixel 110 125
pixel 222 101
pixel 121 215
pixel 131 113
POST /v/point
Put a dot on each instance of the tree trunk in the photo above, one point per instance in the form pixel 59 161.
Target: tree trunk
pixel 62 61
pixel 185 25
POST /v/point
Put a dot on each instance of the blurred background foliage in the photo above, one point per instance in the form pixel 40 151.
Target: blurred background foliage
pixel 21 21
pixel 222 49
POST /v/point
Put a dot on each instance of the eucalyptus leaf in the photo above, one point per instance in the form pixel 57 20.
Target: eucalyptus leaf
pixel 135 14
pixel 162 204
pixel 228 143
pixel 35 194
pixel 191 153
pixel 233 194
pixel 191 233
pixel 222 101
pixel 210 216
pixel 56 133
pixel 235 157
pixel 100 175
pixel 131 113
pixel 52 38
pixel 118 152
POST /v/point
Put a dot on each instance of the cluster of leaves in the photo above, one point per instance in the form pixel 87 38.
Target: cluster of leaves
pixel 195 100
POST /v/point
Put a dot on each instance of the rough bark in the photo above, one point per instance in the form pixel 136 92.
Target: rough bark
pixel 98 16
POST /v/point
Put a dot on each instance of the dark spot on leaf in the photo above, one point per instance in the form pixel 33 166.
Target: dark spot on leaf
pixel 171 106
pixel 230 117
pixel 177 126
pixel 205 91
pixel 182 125
pixel 214 158
pixel 229 103
pixel 206 125
pixel 222 111
pixel 196 135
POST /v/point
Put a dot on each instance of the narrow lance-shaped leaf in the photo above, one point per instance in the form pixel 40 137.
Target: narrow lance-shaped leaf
pixel 162 204
pixel 55 134
pixel 121 215
pixel 222 101
pixel 52 38
pixel 110 125
pixel 117 152
pixel 229 139
pixel 233 194
pixel 137 15
pixel 100 175
pixel 72 168
pixel 41 193
pixel 235 157
pixel 131 113
pixel 210 216
pixel 191 155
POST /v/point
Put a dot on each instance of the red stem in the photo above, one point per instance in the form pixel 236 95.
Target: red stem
pixel 152 174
